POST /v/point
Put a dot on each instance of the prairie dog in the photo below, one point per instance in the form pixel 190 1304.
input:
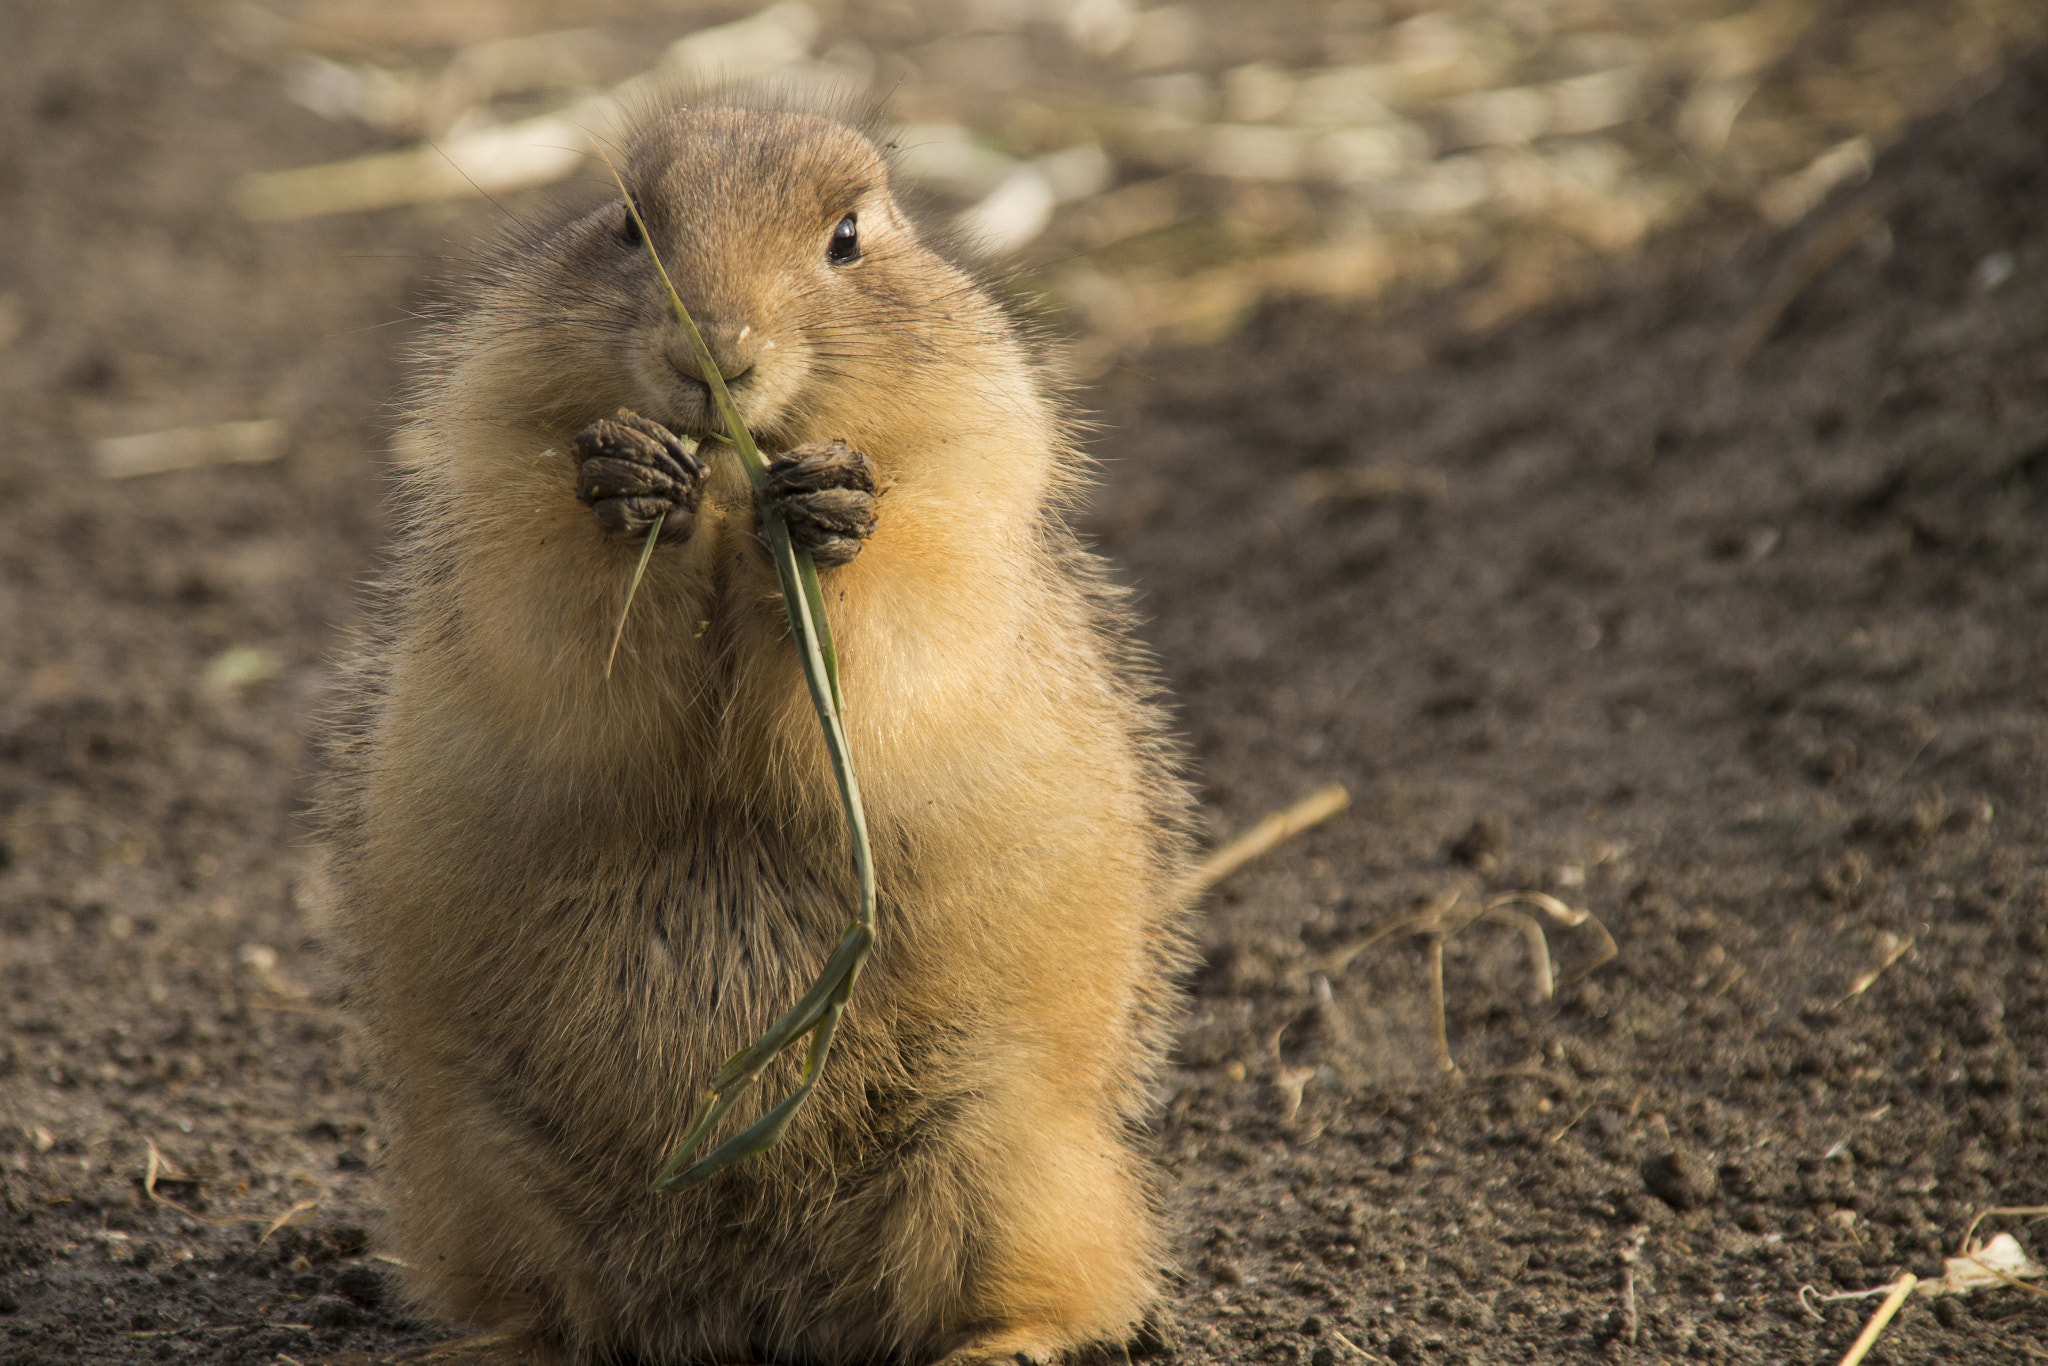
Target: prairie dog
pixel 568 899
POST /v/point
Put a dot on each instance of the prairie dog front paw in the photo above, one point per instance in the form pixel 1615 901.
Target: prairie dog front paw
pixel 632 471
pixel 825 494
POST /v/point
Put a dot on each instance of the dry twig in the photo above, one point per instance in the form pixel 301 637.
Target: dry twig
pixel 159 1168
pixel 1868 1337
pixel 1269 833
pixel 1999 1273
pixel 2001 1211
pixel 1895 949
pixel 1449 915
pixel 1444 1061
pixel 187 448
pixel 1355 1347
pixel 1556 1135
pixel 1822 250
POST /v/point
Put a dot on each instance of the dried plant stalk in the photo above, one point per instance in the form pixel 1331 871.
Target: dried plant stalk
pixel 1274 830
pixel 1867 1339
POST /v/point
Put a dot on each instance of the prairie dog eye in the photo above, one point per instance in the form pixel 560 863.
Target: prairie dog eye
pixel 629 229
pixel 845 244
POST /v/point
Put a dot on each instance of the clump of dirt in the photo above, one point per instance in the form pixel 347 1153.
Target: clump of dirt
pixel 1747 663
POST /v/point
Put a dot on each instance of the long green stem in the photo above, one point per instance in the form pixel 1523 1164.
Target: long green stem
pixel 639 571
pixel 817 1014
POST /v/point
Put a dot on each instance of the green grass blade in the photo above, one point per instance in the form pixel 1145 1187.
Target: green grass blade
pixel 819 1011
pixel 814 598
pixel 694 1139
pixel 853 946
pixel 646 554
pixel 766 1131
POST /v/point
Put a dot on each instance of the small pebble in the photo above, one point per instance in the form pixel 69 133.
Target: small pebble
pixel 1680 1179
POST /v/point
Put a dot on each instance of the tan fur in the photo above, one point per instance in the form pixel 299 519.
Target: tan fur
pixel 570 899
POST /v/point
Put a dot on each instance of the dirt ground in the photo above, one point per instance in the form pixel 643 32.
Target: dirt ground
pixel 1747 660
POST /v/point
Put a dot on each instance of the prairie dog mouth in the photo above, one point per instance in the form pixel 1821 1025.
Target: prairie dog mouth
pixel 685 404
pixel 696 416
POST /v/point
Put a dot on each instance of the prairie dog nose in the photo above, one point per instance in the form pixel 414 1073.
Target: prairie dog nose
pixel 734 348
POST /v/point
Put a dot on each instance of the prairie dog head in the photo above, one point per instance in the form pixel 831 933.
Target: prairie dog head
pixel 821 307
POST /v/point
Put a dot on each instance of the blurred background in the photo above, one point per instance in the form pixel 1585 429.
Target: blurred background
pixel 1151 171
pixel 1158 168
